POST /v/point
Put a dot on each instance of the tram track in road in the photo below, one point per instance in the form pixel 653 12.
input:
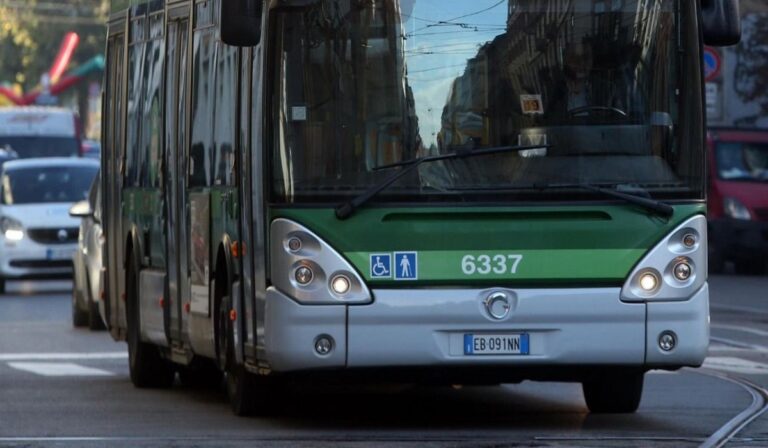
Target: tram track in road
pixel 734 426
pixel 724 435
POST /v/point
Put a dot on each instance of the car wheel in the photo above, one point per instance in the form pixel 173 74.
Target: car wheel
pixel 749 267
pixel 614 394
pixel 716 262
pixel 79 317
pixel 147 368
pixel 94 318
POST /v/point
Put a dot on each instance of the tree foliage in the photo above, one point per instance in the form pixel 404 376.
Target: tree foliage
pixel 31 32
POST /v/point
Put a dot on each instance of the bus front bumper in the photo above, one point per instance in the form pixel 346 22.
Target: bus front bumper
pixel 427 328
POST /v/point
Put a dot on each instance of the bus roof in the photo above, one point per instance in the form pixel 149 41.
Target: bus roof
pixel 116 6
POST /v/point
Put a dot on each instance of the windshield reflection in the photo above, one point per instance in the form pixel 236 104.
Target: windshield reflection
pixel 598 83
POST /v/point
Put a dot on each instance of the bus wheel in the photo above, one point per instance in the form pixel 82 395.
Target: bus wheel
pixel 146 366
pixel 240 382
pixel 618 393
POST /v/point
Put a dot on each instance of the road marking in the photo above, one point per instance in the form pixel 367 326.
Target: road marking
pixel 735 365
pixel 738 308
pixel 58 369
pixel 749 330
pixel 662 372
pixel 61 356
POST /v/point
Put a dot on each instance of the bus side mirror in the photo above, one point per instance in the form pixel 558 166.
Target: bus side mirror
pixel 241 22
pixel 721 21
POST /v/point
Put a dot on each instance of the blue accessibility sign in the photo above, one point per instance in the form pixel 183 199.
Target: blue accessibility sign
pixel 381 266
pixel 406 266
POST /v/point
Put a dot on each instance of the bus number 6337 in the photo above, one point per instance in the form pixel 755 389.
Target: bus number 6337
pixel 486 264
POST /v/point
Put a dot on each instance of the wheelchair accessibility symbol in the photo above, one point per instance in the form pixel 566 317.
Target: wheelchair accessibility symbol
pixel 381 266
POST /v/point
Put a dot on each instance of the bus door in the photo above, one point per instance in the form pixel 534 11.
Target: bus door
pixel 175 161
pixel 112 180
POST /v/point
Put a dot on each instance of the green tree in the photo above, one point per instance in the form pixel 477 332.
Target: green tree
pixel 31 32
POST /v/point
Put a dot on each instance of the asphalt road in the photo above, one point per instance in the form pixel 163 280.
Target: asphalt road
pixel 67 387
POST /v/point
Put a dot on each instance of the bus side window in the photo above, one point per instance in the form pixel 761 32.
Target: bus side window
pixel 202 108
pixel 224 128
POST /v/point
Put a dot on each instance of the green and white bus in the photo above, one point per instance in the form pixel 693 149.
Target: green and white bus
pixel 457 192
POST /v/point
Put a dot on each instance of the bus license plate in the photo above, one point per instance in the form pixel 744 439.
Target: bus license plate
pixel 496 344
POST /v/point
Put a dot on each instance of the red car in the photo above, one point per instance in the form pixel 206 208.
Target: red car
pixel 738 199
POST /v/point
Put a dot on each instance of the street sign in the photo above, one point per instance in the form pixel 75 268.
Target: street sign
pixel 713 64
pixel 714 101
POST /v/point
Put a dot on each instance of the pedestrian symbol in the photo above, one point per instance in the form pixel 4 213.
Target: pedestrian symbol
pixel 381 266
pixel 406 266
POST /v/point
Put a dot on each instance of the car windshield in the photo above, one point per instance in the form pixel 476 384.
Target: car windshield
pixel 37 185
pixel 610 90
pixel 742 161
pixel 28 147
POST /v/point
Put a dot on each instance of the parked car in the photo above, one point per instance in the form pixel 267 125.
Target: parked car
pixel 86 260
pixel 37 235
pixel 34 131
pixel 738 199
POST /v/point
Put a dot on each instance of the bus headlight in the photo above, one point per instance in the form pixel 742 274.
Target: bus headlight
pixel 674 269
pixel 304 275
pixel 649 281
pixel 682 271
pixel 309 270
pixel 340 284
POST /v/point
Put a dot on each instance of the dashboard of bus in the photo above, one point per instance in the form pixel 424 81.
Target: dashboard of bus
pixel 597 93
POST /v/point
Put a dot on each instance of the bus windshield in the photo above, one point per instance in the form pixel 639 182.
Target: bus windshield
pixel 605 93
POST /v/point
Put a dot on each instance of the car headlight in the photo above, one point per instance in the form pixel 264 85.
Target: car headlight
pixel 736 210
pixel 11 228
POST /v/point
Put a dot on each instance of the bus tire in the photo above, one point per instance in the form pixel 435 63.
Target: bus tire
pixel 147 368
pixel 618 393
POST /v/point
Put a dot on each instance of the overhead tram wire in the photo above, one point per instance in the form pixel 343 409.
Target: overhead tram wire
pixel 449 21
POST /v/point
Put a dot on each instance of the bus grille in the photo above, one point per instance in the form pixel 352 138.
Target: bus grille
pixel 54 235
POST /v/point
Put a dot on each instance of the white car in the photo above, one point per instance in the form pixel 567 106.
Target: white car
pixel 37 235
pixel 87 261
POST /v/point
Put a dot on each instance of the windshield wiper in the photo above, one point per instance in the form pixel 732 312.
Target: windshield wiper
pixel 658 207
pixel 345 210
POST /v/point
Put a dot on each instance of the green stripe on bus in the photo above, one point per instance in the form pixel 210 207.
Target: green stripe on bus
pixel 558 244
